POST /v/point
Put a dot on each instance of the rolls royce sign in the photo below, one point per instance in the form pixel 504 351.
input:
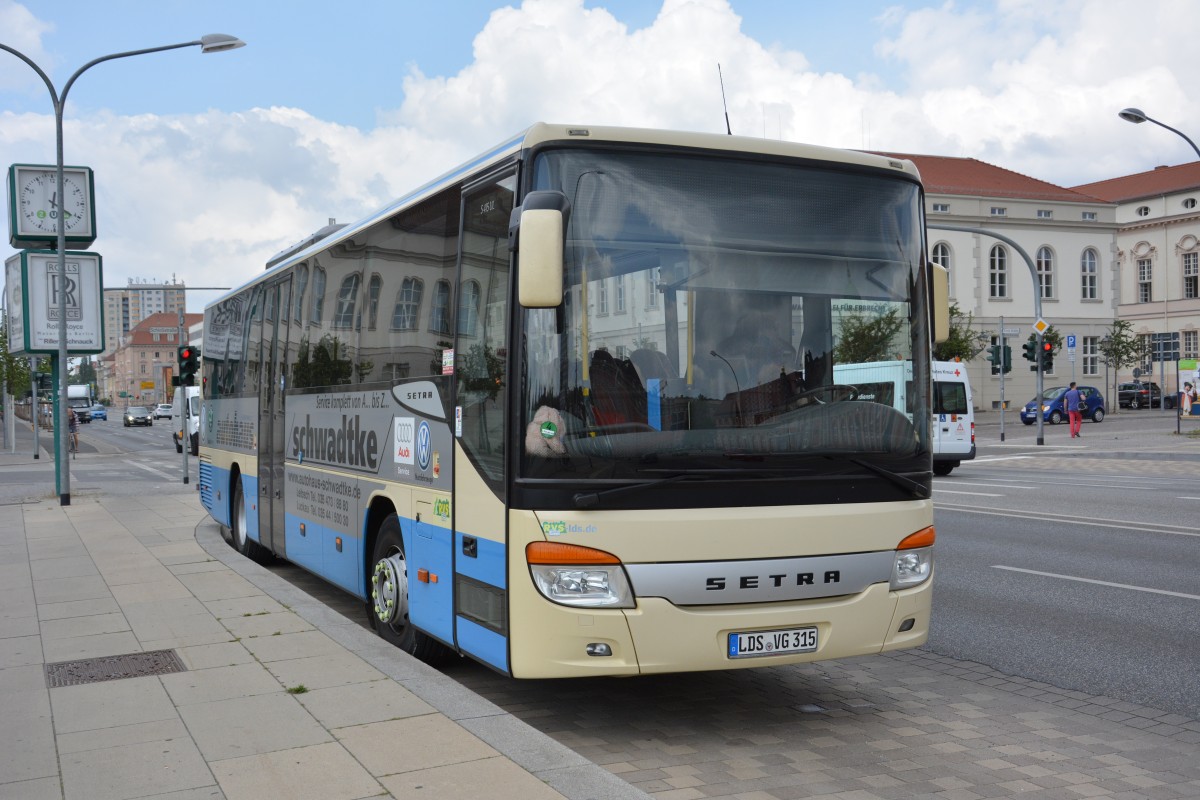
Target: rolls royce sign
pixel 41 294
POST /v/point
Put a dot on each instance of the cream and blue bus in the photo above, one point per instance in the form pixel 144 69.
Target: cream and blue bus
pixel 570 409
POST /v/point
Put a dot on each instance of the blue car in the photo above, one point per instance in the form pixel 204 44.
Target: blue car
pixel 1052 405
pixel 99 412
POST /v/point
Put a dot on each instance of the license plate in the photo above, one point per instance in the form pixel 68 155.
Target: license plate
pixel 772 643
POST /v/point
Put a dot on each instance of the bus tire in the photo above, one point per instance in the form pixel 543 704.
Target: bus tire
pixel 237 525
pixel 387 601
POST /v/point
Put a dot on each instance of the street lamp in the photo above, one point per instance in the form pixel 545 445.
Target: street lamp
pixel 211 43
pixel 1137 116
pixel 1105 343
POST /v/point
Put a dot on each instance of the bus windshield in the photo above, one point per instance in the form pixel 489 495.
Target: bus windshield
pixel 707 301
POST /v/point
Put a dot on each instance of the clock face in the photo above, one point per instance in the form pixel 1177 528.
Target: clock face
pixel 40 206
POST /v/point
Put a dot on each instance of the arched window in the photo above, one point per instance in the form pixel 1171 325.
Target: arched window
pixel 374 286
pixel 347 302
pixel 998 272
pixel 439 314
pixel 941 257
pixel 301 285
pixel 1045 272
pixel 468 308
pixel 408 305
pixel 1089 275
pixel 318 295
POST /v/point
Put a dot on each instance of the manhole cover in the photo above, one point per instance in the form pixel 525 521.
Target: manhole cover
pixel 112 668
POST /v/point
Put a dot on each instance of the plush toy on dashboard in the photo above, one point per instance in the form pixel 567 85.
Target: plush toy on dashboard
pixel 544 435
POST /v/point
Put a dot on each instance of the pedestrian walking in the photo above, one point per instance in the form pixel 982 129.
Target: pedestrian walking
pixel 1073 400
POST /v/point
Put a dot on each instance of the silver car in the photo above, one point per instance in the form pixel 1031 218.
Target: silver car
pixel 138 415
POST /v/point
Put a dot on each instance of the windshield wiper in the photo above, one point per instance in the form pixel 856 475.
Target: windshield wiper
pixel 917 489
pixel 592 499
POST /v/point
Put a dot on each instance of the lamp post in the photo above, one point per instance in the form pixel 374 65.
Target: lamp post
pixel 1137 116
pixel 211 43
pixel 1104 345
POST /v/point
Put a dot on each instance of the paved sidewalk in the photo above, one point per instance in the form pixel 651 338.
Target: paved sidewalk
pixel 279 697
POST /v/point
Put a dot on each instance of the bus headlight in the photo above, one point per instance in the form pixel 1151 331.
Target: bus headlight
pixel 914 560
pixel 578 576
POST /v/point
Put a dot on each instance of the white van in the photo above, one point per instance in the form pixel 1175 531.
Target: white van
pixel 953 417
pixel 186 419
pixel 953 423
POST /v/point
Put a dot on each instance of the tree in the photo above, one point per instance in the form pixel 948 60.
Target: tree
pixel 323 365
pixel 14 370
pixel 963 342
pixel 868 337
pixel 1121 348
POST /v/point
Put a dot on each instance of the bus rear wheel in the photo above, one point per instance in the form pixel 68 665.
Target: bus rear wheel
pixel 388 603
pixel 237 526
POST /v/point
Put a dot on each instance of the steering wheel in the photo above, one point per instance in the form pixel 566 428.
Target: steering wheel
pixel 833 392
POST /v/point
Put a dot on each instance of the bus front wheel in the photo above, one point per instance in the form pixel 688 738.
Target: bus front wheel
pixel 388 603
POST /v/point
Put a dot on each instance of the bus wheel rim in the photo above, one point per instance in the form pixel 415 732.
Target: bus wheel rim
pixel 389 589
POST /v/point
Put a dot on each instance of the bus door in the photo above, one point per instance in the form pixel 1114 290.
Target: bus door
pixel 272 388
pixel 480 408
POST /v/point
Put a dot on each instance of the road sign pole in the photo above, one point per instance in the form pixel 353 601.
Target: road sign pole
pixel 1002 346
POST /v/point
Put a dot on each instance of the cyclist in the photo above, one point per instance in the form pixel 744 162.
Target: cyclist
pixel 73 428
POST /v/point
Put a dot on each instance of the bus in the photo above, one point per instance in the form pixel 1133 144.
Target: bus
pixel 570 409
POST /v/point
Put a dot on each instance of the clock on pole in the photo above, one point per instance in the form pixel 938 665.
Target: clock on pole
pixel 35 207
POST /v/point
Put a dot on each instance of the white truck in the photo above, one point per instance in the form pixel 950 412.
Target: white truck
pixel 79 397
pixel 953 423
pixel 185 416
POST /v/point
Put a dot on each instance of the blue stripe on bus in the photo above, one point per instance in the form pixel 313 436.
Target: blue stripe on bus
pixel 491 565
pixel 483 644
pixel 218 479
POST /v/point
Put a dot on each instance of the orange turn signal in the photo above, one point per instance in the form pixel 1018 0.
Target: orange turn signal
pixel 922 538
pixel 559 553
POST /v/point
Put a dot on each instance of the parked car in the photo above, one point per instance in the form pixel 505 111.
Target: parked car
pixel 99 412
pixel 1052 405
pixel 138 415
pixel 1142 394
pixel 163 411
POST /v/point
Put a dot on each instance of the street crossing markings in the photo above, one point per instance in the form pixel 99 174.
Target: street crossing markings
pixel 1098 583
pixel 149 469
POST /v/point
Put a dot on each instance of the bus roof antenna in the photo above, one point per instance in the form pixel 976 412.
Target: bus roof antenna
pixel 721 77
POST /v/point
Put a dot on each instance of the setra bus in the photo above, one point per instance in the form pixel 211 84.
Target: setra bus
pixel 570 409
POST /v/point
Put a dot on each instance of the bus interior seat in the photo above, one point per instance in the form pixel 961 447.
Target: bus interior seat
pixel 617 393
pixel 652 364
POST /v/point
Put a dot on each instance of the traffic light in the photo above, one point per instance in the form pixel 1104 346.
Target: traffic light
pixel 1030 349
pixel 1047 357
pixel 1007 366
pixel 189 364
pixel 45 383
pixel 995 358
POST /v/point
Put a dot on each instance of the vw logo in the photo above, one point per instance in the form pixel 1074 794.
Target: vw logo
pixel 424 446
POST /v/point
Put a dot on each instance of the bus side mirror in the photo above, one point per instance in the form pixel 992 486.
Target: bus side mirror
pixel 537 232
pixel 941 302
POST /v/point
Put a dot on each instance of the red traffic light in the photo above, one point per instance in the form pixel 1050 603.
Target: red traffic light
pixel 185 353
pixel 1047 347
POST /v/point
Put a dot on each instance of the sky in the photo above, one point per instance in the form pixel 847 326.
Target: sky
pixel 208 164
